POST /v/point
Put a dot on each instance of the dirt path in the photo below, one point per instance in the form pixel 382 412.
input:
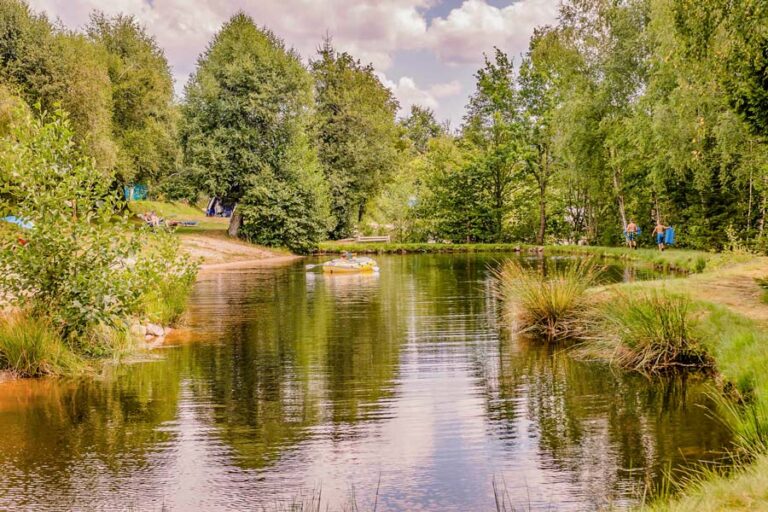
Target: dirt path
pixel 218 251
pixel 733 287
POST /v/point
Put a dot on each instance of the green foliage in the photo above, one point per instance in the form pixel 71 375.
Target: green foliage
pixel 277 214
pixel 164 275
pixel 143 113
pixel 50 66
pixel 31 347
pixel 355 133
pixel 83 267
pixel 72 269
pixel 552 304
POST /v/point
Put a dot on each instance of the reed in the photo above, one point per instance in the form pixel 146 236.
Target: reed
pixel 31 347
pixel 552 304
pixel 649 331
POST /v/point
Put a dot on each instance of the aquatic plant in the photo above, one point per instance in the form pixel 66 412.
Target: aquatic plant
pixel 31 347
pixel 551 304
pixel 649 331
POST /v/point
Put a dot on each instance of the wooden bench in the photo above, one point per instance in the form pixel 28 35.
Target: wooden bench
pixel 369 239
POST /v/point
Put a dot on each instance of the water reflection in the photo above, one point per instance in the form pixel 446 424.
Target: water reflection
pixel 402 381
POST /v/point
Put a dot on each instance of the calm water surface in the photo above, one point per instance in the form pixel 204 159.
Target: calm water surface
pixel 291 384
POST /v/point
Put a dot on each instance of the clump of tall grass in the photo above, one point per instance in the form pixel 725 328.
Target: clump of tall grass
pixel 31 347
pixel 166 302
pixel 552 304
pixel 649 331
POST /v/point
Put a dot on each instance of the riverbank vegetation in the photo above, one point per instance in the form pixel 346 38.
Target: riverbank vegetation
pixel 551 304
pixel 655 327
pixel 644 110
pixel 78 272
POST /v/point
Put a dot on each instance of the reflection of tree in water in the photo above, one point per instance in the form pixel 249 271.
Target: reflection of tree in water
pixel 610 432
pixel 298 352
pixel 96 427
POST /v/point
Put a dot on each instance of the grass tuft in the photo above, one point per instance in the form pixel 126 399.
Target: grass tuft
pixel 165 303
pixel 650 331
pixel 552 305
pixel 31 347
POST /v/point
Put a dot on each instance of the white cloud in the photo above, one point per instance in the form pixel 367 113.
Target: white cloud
pixel 476 27
pixel 409 93
pixel 371 30
pixel 451 88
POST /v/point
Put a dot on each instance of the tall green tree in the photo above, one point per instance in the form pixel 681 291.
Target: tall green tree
pixel 50 66
pixel 244 132
pixel 421 127
pixel 492 125
pixel 356 135
pixel 144 116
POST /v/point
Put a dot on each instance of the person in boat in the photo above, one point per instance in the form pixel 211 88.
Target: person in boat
pixel 658 232
pixel 632 234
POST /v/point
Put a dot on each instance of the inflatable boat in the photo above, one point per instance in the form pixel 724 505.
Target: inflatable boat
pixel 350 265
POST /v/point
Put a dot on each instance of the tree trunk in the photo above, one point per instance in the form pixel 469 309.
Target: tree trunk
pixel 544 174
pixel 234 223
pixel 619 196
pixel 542 216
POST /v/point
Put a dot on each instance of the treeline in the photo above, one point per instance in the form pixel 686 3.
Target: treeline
pixel 113 80
pixel 644 110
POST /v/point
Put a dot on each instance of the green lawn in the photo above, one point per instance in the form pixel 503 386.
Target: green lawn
pixel 180 211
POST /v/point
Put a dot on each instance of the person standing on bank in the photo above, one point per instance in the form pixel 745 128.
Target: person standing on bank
pixel 632 234
pixel 659 232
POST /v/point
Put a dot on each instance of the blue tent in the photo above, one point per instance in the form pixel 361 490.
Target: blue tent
pixel 24 224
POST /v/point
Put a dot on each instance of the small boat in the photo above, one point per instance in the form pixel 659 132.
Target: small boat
pixel 350 265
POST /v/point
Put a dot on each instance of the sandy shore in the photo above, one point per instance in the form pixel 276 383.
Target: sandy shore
pixel 219 252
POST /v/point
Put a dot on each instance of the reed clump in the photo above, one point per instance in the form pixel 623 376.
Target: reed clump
pixel 552 304
pixel 31 347
pixel 649 331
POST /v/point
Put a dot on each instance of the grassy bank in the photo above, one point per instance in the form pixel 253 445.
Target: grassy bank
pixel 409 248
pixel 714 320
pixel 674 259
pixel 180 212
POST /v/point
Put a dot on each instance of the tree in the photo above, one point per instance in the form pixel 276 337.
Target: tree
pixel 245 115
pixel 492 124
pixel 52 67
pixel 143 112
pixel 420 127
pixel 355 133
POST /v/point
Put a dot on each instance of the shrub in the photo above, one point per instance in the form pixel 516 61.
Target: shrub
pixel 165 277
pixel 279 213
pixel 651 331
pixel 84 268
pixel 552 305
pixel 73 268
pixel 31 347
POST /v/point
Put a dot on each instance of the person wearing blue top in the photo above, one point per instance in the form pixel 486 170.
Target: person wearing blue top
pixel 658 232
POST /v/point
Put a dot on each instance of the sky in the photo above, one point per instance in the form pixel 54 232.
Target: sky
pixel 426 51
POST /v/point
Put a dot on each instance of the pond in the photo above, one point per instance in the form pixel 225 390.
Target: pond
pixel 402 389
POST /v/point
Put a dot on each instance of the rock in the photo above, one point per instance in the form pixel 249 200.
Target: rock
pixel 159 341
pixel 148 337
pixel 167 331
pixel 155 330
pixel 138 330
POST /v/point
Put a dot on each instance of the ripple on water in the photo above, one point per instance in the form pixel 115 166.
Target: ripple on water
pixel 297 384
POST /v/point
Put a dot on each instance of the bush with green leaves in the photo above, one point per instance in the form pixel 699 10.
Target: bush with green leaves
pixel 279 213
pixel 83 265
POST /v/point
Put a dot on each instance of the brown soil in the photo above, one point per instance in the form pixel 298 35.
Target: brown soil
pixel 218 251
